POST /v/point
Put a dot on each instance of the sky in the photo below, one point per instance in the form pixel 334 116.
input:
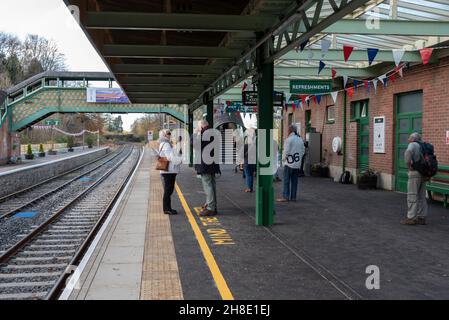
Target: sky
pixel 51 19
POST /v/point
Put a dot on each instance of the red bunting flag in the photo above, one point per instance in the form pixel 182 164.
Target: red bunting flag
pixel 314 99
pixel 350 92
pixel 347 50
pixel 425 55
pixel 303 99
pixel 245 85
pixel 399 71
pixel 366 83
pixel 294 106
pixel 392 78
pixel 334 73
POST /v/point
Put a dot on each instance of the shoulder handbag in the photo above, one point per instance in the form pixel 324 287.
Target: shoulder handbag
pixel 162 163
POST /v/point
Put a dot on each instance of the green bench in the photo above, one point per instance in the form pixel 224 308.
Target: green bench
pixel 440 184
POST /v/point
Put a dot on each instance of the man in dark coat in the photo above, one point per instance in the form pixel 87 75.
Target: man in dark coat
pixel 207 171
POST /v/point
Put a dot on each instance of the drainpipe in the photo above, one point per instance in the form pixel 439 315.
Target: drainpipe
pixel 344 130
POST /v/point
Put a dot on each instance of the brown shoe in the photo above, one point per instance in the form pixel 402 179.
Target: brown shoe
pixel 421 221
pixel 282 200
pixel 409 222
pixel 208 213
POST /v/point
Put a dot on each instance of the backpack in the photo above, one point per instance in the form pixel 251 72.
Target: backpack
pixel 345 177
pixel 427 164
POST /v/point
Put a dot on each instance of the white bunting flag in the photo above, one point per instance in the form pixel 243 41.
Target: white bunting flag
pixel 397 55
pixel 325 45
pixel 309 55
pixel 287 97
pixel 345 81
pixel 382 77
pixel 375 85
pixel 334 96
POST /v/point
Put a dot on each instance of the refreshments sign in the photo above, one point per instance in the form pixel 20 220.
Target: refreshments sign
pixel 310 86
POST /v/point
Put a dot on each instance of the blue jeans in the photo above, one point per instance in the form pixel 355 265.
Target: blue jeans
pixel 290 183
pixel 249 170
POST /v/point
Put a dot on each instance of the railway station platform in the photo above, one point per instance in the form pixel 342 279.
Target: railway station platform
pixel 62 154
pixel 318 248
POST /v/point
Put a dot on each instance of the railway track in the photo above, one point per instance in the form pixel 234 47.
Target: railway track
pixel 38 205
pixel 19 200
pixel 36 266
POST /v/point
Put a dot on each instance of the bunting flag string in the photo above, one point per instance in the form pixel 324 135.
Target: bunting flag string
pixel 303 99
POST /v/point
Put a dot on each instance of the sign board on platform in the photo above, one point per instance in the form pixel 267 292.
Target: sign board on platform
pixel 251 98
pixel 310 86
pixel 379 135
pixel 52 122
pixel 150 135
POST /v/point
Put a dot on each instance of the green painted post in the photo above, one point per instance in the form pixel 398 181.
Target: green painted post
pixel 210 113
pixel 190 128
pixel 344 130
pixel 265 191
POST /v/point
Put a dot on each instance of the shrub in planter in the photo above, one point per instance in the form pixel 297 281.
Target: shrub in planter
pixel 41 151
pixel 367 179
pixel 29 155
pixel 70 143
pixel 90 142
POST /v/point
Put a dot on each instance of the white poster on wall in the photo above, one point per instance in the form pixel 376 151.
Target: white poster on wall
pixel 379 135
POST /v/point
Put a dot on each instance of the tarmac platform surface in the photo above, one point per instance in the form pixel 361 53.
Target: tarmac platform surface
pixel 318 248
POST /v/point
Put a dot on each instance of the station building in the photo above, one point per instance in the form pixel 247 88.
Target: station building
pixel 416 102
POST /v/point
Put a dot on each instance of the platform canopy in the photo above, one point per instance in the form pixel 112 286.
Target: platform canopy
pixel 195 50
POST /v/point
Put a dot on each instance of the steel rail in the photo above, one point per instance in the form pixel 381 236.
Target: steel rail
pixel 57 288
pixel 38 230
pixel 65 184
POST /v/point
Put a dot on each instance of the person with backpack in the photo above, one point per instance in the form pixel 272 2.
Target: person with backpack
pixel 422 165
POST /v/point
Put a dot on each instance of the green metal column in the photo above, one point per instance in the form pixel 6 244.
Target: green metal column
pixel 344 129
pixel 190 129
pixel 265 191
pixel 210 112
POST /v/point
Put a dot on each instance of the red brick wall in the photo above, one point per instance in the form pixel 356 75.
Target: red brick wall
pixel 432 79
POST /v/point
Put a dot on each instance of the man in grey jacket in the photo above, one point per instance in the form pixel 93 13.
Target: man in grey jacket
pixel 416 188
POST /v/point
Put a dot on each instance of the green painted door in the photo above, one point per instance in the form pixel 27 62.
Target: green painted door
pixel 363 144
pixel 308 121
pixel 408 120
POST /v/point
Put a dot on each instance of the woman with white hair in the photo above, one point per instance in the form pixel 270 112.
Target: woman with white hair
pixel 168 177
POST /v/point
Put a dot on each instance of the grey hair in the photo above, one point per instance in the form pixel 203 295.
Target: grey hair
pixel 164 132
pixel 293 128
pixel 415 136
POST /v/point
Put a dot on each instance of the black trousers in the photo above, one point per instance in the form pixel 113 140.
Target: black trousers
pixel 168 182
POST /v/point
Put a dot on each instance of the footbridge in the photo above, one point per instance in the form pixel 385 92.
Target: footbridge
pixel 66 92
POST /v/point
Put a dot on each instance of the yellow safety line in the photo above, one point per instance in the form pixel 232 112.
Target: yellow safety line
pixel 207 253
